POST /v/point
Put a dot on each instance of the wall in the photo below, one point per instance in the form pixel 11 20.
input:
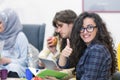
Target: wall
pixel 43 11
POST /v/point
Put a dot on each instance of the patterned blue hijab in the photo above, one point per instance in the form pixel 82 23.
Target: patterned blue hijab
pixel 12 27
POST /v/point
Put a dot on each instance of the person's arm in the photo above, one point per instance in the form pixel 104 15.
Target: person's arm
pixel 69 71
pixel 21 49
pixel 5 60
pixel 66 52
pixel 44 53
pixel 55 50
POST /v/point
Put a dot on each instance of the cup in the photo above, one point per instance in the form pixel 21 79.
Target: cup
pixel 3 74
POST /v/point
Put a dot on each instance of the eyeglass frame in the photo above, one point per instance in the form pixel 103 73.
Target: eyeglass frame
pixel 82 29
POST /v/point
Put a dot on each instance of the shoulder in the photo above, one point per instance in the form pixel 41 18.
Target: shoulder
pixel 21 38
pixel 99 53
pixel 97 46
pixel 21 35
pixel 99 50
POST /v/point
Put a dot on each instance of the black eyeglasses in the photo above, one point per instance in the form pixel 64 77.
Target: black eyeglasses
pixel 89 29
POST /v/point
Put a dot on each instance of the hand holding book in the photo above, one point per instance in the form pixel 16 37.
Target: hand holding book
pixel 47 73
pixel 49 64
pixel 50 70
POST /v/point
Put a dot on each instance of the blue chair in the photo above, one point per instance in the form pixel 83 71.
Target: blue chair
pixel 35 34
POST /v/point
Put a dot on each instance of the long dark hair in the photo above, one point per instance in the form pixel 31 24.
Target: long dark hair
pixel 102 35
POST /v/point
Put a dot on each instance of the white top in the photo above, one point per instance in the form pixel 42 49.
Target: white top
pixel 18 57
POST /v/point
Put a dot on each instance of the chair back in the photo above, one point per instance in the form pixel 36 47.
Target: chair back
pixel 35 34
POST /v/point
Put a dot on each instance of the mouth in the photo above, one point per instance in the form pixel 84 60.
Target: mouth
pixel 86 36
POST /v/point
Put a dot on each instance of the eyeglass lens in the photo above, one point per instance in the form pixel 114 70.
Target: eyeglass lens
pixel 89 28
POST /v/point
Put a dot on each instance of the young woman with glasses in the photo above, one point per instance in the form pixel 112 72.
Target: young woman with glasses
pixel 93 53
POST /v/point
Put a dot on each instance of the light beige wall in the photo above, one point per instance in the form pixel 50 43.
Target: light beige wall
pixel 43 11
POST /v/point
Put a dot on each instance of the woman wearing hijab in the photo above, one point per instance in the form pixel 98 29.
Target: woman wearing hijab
pixel 14 54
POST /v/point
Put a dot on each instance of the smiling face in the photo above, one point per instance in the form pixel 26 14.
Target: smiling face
pixel 87 36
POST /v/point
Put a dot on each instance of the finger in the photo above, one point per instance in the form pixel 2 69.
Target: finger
pixel 68 42
pixel 49 43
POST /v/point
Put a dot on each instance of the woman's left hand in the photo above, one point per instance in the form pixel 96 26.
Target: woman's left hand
pixel 50 78
pixel 66 52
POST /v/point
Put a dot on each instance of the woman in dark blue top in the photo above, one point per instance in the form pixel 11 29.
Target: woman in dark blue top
pixel 93 53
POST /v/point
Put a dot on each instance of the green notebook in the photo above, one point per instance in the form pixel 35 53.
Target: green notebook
pixel 53 73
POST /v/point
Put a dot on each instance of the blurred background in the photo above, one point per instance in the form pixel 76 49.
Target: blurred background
pixel 43 11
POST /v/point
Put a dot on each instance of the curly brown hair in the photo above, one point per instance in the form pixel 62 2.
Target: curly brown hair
pixel 102 35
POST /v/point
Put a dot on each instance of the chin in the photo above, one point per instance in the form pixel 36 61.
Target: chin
pixel 87 42
pixel 62 36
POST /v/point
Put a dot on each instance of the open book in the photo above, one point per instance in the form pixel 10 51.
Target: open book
pixel 47 72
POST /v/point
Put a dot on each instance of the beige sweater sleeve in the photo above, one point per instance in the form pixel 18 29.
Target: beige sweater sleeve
pixel 46 52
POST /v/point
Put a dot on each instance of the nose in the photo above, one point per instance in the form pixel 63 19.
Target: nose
pixel 85 31
pixel 58 30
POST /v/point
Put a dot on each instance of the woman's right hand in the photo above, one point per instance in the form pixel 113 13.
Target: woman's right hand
pixel 50 78
pixel 41 64
pixel 51 44
pixel 57 68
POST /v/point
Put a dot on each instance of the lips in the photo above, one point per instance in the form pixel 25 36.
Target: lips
pixel 86 37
